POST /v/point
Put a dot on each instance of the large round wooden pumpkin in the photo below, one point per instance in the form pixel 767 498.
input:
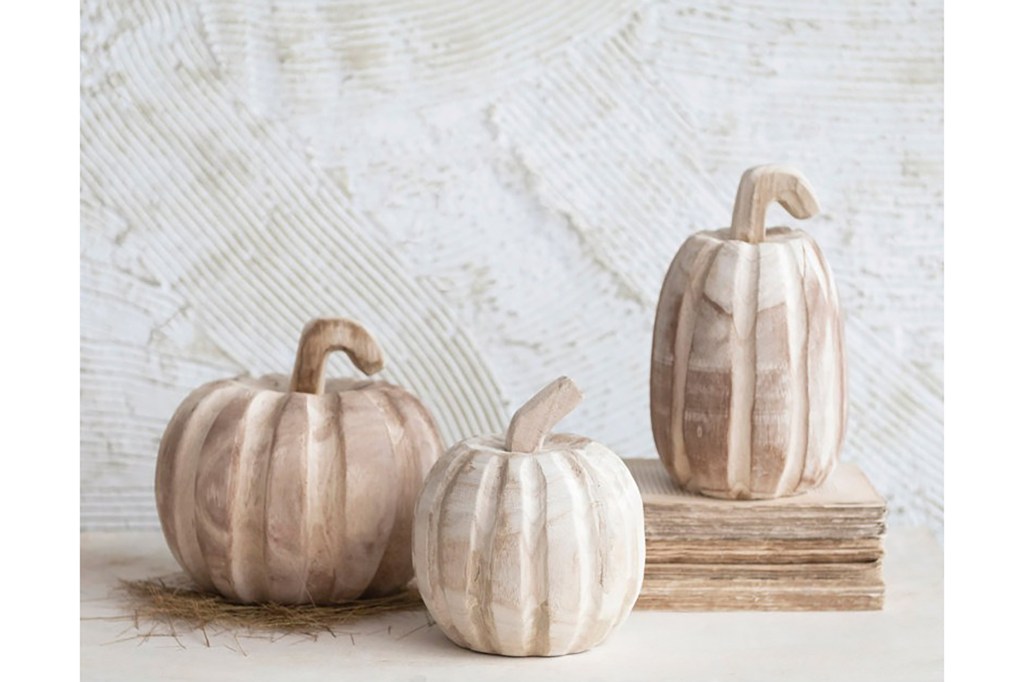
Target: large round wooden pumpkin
pixel 530 545
pixel 748 375
pixel 298 491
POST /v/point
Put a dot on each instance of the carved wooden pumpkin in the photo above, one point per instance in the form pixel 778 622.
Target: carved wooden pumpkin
pixel 748 374
pixel 530 545
pixel 270 491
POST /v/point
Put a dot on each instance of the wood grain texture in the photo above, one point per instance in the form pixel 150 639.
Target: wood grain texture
pixel 836 587
pixel 748 369
pixel 246 167
pixel 267 493
pixel 845 508
pixel 530 553
pixel 534 420
pixel 820 551
pixel 793 551
pixel 322 336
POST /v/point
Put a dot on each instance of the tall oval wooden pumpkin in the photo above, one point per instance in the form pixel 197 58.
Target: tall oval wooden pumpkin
pixel 530 545
pixel 301 491
pixel 748 374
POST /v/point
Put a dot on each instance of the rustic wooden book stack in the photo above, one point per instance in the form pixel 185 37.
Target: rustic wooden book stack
pixel 819 551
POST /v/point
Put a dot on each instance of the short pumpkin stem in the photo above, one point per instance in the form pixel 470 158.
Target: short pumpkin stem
pixel 759 187
pixel 319 339
pixel 534 420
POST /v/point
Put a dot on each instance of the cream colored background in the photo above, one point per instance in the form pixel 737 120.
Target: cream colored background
pixel 494 189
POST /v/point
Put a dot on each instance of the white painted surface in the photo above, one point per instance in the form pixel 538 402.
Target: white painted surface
pixel 495 189
pixel 901 642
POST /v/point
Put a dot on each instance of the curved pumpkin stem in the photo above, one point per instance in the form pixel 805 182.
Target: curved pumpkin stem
pixel 319 339
pixel 534 420
pixel 759 187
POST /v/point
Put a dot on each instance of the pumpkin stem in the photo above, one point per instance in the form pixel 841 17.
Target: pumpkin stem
pixel 323 336
pixel 759 187
pixel 532 422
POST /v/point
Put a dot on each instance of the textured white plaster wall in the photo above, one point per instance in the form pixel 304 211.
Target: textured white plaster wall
pixel 495 189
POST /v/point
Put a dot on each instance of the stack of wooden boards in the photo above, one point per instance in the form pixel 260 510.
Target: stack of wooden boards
pixel 820 551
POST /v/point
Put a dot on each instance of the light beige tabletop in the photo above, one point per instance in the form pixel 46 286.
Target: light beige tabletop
pixel 902 642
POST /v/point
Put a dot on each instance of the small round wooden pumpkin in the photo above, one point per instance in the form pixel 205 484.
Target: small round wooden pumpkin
pixel 300 492
pixel 530 545
pixel 748 373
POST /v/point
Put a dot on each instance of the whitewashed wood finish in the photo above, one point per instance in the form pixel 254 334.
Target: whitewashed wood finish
pixel 245 167
pixel 530 553
pixel 533 421
pixel 301 491
pixel 748 372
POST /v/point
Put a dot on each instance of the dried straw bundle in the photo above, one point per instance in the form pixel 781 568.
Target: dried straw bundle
pixel 173 600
